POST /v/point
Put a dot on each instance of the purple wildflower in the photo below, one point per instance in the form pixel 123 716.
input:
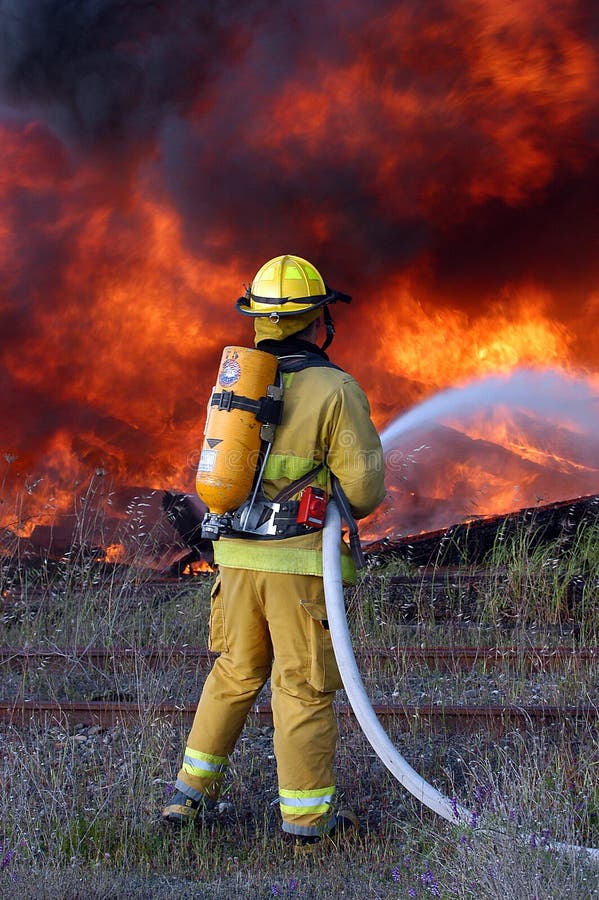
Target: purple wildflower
pixel 532 841
pixel 482 793
pixel 430 883
pixel 5 859
pixel 411 892
pixel 474 819
pixel 395 873
pixel 275 890
pixel 454 807
pixel 292 885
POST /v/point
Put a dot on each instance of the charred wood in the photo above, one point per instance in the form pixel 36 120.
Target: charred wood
pixel 472 542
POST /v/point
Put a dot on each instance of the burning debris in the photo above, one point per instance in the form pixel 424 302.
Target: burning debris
pixel 185 512
pixel 472 541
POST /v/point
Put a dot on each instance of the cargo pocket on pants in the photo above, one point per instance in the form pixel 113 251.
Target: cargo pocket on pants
pixel 217 639
pixel 324 674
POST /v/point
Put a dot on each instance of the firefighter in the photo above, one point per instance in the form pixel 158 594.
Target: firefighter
pixel 268 615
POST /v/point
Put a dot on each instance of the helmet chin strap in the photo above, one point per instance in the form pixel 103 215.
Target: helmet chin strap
pixel 329 325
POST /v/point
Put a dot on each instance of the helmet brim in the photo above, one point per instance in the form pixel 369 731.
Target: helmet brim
pixel 307 303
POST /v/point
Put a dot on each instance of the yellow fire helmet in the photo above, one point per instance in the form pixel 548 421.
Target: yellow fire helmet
pixel 288 286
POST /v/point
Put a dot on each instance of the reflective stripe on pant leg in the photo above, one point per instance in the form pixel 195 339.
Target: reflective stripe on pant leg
pixel 298 809
pixel 204 765
pixel 201 774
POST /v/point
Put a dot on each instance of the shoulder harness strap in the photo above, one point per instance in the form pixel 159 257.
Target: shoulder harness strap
pixel 297 362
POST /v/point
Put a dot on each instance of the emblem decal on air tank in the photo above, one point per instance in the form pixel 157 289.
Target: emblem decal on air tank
pixel 230 373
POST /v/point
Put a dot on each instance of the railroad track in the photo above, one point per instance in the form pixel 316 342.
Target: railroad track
pixel 448 658
pixel 462 718
pixel 496 718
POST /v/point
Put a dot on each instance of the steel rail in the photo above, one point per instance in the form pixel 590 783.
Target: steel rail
pixel 109 713
pixel 538 658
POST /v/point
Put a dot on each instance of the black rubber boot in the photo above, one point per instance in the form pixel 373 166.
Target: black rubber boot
pixel 181 810
pixel 346 821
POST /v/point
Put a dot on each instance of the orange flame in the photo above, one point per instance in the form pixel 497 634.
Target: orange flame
pixel 438 162
pixel 114 553
pixel 198 567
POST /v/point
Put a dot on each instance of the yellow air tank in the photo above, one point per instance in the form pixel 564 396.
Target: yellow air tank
pixel 232 436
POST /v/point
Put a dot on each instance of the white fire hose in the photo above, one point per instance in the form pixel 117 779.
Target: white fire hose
pixel 358 698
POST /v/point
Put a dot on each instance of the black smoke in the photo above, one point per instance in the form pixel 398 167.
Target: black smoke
pixel 106 72
pixel 456 140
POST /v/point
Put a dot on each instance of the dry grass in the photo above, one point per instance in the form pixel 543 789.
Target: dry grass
pixel 79 808
pixel 80 812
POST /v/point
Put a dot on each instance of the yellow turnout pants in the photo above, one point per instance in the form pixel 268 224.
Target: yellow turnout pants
pixel 270 624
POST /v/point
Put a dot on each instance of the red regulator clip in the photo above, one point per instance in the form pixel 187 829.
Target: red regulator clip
pixel 312 507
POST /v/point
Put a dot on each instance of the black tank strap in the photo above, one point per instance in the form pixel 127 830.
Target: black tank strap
pixel 266 409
